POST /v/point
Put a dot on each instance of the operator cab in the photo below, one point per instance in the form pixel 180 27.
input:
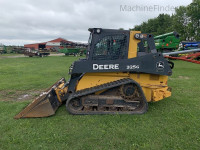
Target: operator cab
pixel 109 44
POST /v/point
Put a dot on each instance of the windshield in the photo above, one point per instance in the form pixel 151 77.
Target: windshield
pixel 110 47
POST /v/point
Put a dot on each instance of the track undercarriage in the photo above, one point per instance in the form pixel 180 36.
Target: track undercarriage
pixel 122 97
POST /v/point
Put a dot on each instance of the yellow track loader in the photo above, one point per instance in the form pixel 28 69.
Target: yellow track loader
pixel 121 73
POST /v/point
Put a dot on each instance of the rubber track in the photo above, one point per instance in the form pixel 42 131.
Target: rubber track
pixel 106 86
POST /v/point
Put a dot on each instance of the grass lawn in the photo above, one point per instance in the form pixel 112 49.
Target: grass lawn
pixel 173 123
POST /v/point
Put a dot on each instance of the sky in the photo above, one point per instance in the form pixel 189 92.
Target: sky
pixel 31 21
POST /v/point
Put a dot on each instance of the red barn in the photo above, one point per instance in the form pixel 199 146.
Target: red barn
pixel 36 46
pixel 56 43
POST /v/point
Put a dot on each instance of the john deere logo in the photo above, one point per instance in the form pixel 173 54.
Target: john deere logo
pixel 160 65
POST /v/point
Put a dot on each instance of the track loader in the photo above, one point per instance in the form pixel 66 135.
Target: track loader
pixel 118 76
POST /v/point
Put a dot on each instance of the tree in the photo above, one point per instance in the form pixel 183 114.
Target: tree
pixel 185 20
pixel 156 26
pixel 180 22
pixel 193 11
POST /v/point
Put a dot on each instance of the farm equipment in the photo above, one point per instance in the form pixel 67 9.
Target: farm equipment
pixel 72 51
pixel 167 42
pixel 3 49
pixel 73 48
pixel 118 76
pixel 18 50
pixel 185 45
pixel 41 53
pixel 191 57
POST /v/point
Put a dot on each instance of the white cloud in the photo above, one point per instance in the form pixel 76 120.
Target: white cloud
pixel 27 21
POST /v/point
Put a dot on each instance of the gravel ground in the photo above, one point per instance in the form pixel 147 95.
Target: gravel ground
pixel 21 55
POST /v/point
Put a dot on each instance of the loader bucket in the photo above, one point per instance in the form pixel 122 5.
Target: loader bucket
pixel 43 106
